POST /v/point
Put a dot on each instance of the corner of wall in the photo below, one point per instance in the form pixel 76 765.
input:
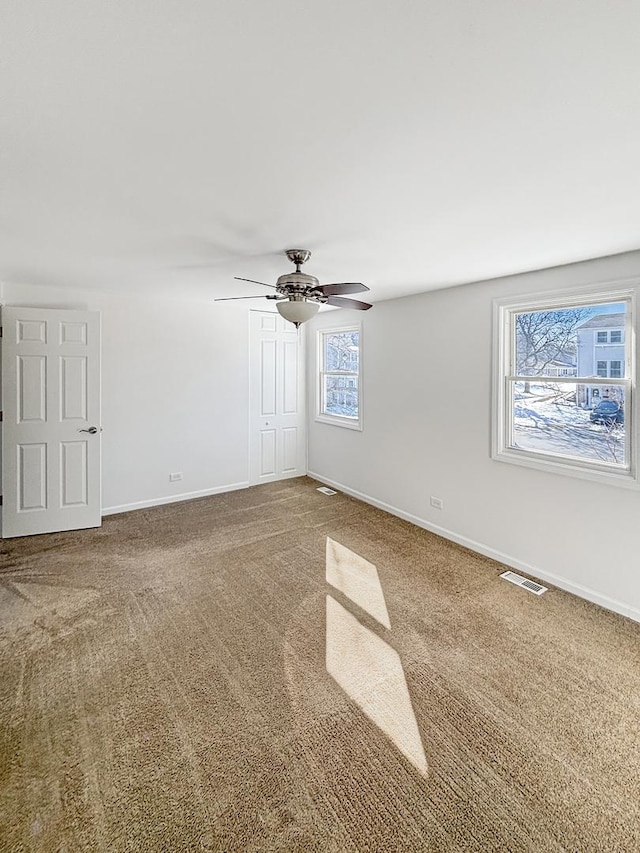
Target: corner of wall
pixel 1 400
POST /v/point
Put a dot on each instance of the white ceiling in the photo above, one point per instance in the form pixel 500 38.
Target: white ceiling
pixel 167 145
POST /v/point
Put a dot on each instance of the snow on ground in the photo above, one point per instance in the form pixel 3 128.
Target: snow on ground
pixel 547 420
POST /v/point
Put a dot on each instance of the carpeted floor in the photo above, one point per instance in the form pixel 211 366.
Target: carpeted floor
pixel 186 678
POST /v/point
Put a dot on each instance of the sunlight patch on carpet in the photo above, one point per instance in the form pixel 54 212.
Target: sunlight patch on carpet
pixel 357 579
pixel 362 663
pixel 370 672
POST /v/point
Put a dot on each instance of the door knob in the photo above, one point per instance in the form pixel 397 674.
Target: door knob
pixel 92 430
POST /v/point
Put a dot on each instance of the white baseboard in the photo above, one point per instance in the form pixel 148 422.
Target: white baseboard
pixel 479 548
pixel 172 499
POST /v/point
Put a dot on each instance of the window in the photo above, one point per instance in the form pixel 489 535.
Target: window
pixel 612 337
pixel 576 422
pixel 609 368
pixel 339 388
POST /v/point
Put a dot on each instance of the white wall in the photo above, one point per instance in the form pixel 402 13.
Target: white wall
pixel 427 416
pixel 175 393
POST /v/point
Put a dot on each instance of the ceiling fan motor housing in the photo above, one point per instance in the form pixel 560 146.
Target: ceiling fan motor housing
pixel 298 284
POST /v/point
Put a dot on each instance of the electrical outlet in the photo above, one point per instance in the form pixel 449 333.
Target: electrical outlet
pixel 437 503
pixel 175 478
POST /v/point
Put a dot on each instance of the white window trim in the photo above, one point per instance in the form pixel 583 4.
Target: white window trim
pixel 615 291
pixel 337 420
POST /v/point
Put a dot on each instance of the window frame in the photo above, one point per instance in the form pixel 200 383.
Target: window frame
pixel 504 310
pixel 321 373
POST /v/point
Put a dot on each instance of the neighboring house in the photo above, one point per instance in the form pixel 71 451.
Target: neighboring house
pixel 560 367
pixel 601 354
pixel 341 356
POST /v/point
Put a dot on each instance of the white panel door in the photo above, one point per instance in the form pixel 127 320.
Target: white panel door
pixel 51 421
pixel 278 441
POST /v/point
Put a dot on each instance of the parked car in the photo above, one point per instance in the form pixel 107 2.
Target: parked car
pixel 607 412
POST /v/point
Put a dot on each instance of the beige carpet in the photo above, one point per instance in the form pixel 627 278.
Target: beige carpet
pixel 186 678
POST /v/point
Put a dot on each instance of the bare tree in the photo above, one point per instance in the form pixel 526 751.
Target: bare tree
pixel 543 337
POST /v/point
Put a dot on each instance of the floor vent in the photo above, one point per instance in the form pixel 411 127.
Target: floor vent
pixel 326 490
pixel 532 586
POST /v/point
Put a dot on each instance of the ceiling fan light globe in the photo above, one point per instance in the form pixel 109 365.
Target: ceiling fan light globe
pixel 297 312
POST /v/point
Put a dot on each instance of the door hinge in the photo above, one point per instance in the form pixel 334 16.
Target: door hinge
pixel 1 417
pixel 0 500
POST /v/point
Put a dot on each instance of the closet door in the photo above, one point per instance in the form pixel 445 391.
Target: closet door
pixel 278 441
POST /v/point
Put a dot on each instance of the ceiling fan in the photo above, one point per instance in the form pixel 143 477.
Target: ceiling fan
pixel 298 296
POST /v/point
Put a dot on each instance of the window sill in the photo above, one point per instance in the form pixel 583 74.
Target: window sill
pixel 607 476
pixel 347 423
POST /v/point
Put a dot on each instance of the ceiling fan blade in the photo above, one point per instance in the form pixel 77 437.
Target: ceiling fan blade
pixel 340 302
pixel 342 287
pixel 253 281
pixel 227 298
